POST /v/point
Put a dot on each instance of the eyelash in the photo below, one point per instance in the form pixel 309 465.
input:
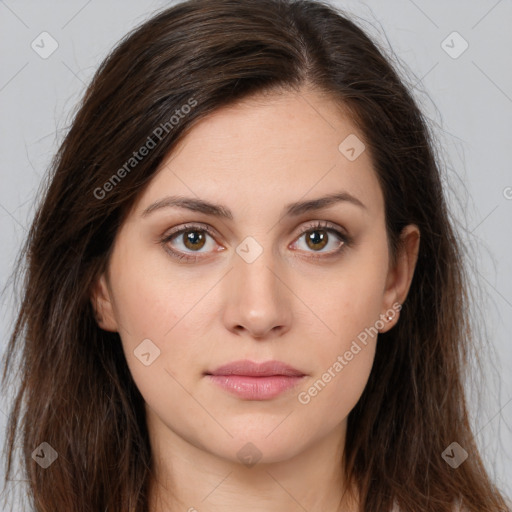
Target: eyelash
pixel 346 241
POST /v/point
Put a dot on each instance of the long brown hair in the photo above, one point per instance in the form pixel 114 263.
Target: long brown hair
pixel 75 391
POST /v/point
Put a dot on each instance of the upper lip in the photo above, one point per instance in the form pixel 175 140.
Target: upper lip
pixel 253 369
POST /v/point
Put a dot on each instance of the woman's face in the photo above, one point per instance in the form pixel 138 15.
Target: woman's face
pixel 257 280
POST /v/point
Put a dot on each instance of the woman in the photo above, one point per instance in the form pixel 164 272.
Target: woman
pixel 243 288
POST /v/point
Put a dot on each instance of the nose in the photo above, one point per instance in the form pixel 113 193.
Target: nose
pixel 258 301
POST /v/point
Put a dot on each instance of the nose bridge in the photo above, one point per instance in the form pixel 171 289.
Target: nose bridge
pixel 257 295
pixel 255 269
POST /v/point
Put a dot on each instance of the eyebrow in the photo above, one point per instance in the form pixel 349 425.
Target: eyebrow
pixel 216 210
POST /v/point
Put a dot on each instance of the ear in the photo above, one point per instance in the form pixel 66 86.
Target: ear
pixel 400 276
pixel 101 301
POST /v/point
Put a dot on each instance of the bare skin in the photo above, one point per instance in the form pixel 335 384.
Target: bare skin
pixel 255 158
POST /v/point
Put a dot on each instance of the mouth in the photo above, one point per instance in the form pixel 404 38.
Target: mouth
pixel 256 381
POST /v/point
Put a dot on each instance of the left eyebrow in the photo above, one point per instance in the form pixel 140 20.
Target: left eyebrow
pixel 298 208
pixel 291 210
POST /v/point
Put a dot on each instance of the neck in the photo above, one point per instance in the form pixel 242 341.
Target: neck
pixel 188 478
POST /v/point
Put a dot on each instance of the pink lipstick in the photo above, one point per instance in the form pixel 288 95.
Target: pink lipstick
pixel 256 381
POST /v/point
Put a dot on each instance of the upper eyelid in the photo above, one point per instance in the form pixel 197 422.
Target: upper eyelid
pixel 190 227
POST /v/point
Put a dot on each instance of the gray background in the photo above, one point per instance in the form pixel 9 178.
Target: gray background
pixel 468 100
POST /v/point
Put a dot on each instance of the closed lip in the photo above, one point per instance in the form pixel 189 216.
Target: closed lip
pixel 254 369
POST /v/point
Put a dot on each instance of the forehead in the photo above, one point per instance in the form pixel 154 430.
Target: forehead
pixel 267 151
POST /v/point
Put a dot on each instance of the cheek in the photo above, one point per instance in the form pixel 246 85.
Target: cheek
pixel 151 300
pixel 346 298
pixel 334 391
pixel 162 325
pixel 342 362
pixel 343 356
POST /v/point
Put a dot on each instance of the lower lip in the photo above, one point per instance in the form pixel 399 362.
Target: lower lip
pixel 255 388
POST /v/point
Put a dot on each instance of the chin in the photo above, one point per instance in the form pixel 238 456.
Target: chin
pixel 259 445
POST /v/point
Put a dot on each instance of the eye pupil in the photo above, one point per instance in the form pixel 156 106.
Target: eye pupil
pixel 192 237
pixel 315 239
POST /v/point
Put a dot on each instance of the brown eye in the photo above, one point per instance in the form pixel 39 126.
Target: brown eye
pixel 194 239
pixel 317 239
pixel 319 236
pixel 190 242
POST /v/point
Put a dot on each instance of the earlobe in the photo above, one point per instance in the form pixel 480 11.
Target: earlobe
pixel 102 305
pixel 400 276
